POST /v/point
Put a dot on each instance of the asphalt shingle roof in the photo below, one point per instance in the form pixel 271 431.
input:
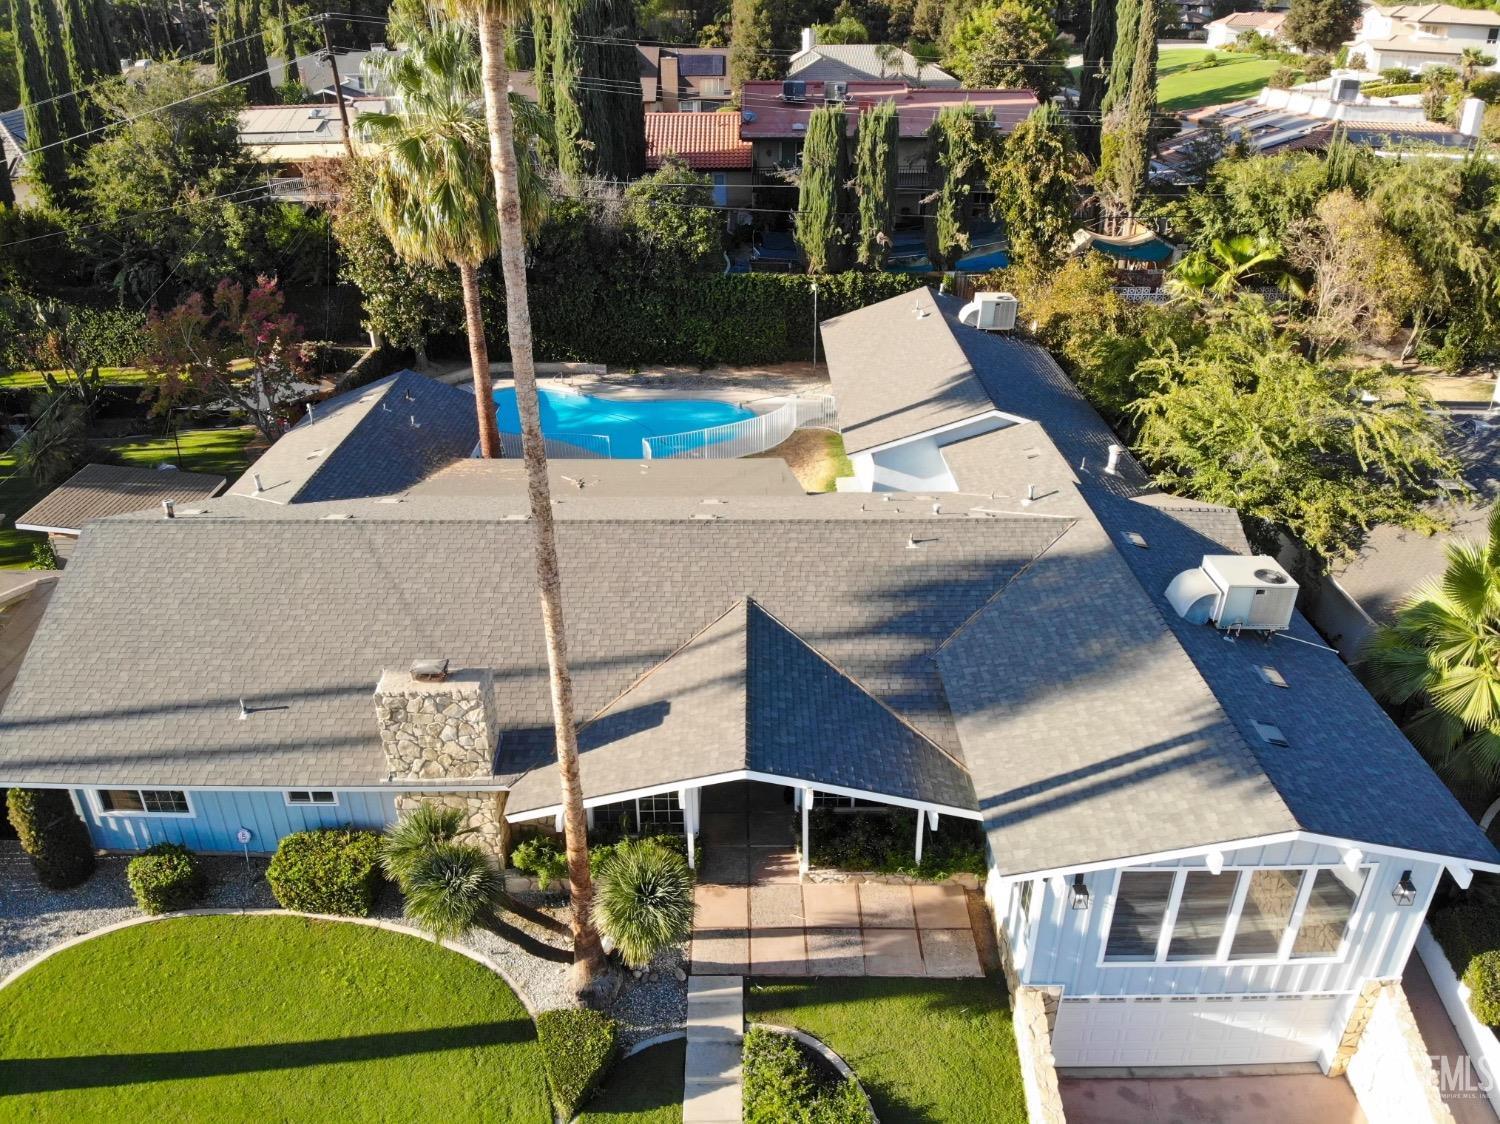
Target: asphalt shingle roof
pixel 844 62
pixel 99 490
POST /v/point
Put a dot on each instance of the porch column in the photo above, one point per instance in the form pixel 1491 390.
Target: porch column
pixel 557 823
pixel 689 820
pixel 803 858
pixel 588 817
pixel 921 823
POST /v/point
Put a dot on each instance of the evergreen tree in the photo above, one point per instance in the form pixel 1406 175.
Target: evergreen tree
pixel 1126 35
pixel 1037 187
pixel 751 44
pixel 1098 47
pixel 1319 26
pixel 1125 158
pixel 600 132
pixel 106 48
pixel 7 193
pixel 240 50
pixel 258 90
pixel 47 163
pixel 875 183
pixel 960 145
pixel 78 44
pixel 542 21
pixel 46 24
pixel 825 169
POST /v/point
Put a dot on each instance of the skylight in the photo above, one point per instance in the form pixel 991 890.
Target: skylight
pixel 1272 735
pixel 1272 676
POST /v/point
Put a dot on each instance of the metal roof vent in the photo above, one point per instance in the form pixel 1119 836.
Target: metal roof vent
pixel 429 671
pixel 1272 676
pixel 1235 592
pixel 1135 538
pixel 1271 735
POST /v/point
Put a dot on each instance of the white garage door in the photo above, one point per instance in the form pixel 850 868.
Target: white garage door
pixel 1192 1031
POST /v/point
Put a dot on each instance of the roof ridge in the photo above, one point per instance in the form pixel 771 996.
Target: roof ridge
pixel 1005 585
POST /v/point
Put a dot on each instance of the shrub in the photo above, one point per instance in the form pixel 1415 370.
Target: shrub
pixel 1397 75
pixel 783 1085
pixel 165 877
pixel 578 1047
pixel 1486 87
pixel 331 870
pixel 1355 60
pixel 1317 68
pixel 885 842
pixel 1390 89
pixel 644 900
pixel 451 888
pixel 1483 978
pixel 598 852
pixel 542 857
pixel 1284 78
pixel 52 835
pixel 408 841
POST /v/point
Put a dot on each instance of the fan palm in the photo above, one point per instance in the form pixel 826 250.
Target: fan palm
pixel 432 193
pixel 645 900
pixel 1472 59
pixel 450 889
pixel 493 18
pixel 1441 656
pixel 407 842
pixel 1228 264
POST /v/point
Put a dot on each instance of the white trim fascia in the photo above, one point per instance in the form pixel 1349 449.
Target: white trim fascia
pixel 73 531
pixel 934 433
pixel 747 775
pixel 403 787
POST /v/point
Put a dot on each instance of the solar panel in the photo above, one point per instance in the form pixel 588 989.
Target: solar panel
pixel 700 66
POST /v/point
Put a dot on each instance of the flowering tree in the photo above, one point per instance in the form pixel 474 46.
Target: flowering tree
pixel 237 349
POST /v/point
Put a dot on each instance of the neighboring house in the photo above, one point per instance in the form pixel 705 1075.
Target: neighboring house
pixel 709 143
pixel 864 62
pixel 1206 842
pixel 356 74
pixel 1365 591
pixel 775 115
pixel 97 491
pixel 684 79
pixel 1192 16
pixel 287 138
pixel 1226 31
pixel 13 142
pixel 1418 36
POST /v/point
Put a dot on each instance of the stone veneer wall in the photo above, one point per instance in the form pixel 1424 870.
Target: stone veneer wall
pixel 1387 1063
pixel 484 815
pixel 438 730
pixel 1033 1014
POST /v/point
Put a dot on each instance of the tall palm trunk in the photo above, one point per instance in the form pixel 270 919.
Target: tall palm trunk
pixel 479 359
pixel 588 953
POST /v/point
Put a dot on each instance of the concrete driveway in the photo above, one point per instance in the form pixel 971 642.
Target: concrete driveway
pixel 1286 1099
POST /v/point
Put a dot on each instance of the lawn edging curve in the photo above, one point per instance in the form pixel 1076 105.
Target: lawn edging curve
pixel 827 1053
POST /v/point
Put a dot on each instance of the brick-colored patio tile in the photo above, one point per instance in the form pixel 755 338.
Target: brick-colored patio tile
pixel 778 952
pixel 721 907
pixel 775 907
pixel 940 907
pixel 950 953
pixel 886 907
pixel 892 952
pixel 831 905
pixel 721 952
pixel 773 865
pixel 835 952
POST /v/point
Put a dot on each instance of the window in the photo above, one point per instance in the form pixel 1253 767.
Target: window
pixel 301 796
pixel 1330 905
pixel 1202 912
pixel 1269 900
pixel 1140 904
pixel 143 802
pixel 1493 36
pixel 659 812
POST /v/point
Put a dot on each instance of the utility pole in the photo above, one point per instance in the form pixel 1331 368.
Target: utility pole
pixel 332 59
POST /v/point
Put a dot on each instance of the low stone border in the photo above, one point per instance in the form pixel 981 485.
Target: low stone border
pixel 369 922
pixel 825 1052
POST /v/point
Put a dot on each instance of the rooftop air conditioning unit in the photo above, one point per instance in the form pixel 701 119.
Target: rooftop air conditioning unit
pixel 836 93
pixel 794 90
pixel 991 312
pixel 1236 592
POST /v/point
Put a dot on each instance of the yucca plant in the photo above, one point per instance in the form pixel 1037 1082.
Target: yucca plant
pixel 644 900
pixel 450 888
pixel 406 843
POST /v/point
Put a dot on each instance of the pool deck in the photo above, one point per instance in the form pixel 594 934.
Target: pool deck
pixel 741 385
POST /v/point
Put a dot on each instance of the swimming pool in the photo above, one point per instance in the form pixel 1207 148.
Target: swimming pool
pixel 623 421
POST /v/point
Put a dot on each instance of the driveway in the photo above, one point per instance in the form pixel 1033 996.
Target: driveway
pixel 1303 1098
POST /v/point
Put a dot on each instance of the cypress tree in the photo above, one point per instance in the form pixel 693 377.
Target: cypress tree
pixel 106 50
pixel 1038 190
pixel 1127 35
pixel 78 44
pixel 751 44
pixel 1098 46
pixel 1125 159
pixel 542 48
pixel 959 145
pixel 258 90
pixel 600 132
pixel 46 24
pixel 7 193
pixel 46 161
pixel 240 50
pixel 825 169
pixel 875 183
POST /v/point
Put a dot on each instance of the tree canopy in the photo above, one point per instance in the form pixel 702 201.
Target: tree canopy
pixel 820 220
pixel 1009 45
pixel 1037 186
pixel 1321 25
pixel 875 163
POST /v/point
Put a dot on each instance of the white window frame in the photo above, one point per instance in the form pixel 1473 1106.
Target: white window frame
pixel 286 795
pixel 1221 958
pixel 100 810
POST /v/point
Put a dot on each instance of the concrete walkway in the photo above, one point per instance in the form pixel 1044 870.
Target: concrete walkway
pixel 1461 1092
pixel 1284 1099
pixel 715 1034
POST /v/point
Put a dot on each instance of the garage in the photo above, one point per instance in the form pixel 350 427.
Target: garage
pixel 1193 1030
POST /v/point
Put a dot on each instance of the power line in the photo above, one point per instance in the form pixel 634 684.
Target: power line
pixel 140 215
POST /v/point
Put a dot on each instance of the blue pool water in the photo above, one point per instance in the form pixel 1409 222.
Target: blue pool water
pixel 623 421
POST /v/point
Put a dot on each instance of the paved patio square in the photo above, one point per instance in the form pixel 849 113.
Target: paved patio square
pixel 940 907
pixel 775 907
pixel 768 865
pixel 831 905
pixel 721 907
pixel 950 953
pixel 835 952
pixel 886 907
pixel 892 952
pixel 721 952
pixel 728 866
pixel 778 952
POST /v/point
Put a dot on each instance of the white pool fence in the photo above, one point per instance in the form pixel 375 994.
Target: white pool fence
pixel 562 446
pixel 742 438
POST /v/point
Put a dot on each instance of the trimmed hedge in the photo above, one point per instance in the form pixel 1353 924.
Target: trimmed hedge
pixel 783 1085
pixel 165 877
pixel 330 870
pixel 1483 979
pixel 578 1047
pixel 886 842
pixel 107 337
pixel 52 835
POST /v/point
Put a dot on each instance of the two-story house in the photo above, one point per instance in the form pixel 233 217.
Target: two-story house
pixel 1419 36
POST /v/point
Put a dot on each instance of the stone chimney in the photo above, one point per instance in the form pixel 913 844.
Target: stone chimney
pixel 437 724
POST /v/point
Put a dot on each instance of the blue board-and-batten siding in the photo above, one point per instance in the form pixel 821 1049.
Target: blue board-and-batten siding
pixel 218 816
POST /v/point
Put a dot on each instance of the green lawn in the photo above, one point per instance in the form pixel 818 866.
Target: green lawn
pixel 1236 76
pixel 926 1051
pixel 645 1088
pixel 34 380
pixel 220 452
pixel 265 1018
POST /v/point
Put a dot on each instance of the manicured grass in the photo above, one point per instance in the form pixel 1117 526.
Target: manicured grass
pixel 34 380
pixel 925 1050
pixel 221 452
pixel 645 1088
pixel 1236 76
pixel 265 1018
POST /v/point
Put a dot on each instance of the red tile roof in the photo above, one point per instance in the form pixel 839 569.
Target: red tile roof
pixel 705 141
pixel 917 108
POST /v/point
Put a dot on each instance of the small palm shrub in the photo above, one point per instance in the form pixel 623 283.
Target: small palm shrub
pixel 542 857
pixel 1483 980
pixel 165 877
pixel 331 870
pixel 407 842
pixel 578 1047
pixel 52 835
pixel 450 889
pixel 643 900
pixel 782 1085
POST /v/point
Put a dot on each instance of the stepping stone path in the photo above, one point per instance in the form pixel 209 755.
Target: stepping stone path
pixel 712 1092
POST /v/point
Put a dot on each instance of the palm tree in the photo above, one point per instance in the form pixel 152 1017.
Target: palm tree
pixel 493 18
pixel 432 193
pixel 1228 264
pixel 1472 59
pixel 645 900
pixel 1441 656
